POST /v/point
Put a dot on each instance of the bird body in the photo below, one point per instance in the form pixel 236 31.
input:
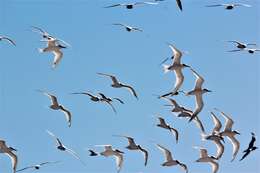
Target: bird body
pixel 9 152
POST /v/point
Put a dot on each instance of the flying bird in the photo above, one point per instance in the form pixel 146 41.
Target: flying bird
pixel 55 48
pixel 164 125
pixel 62 147
pixel 241 45
pixel 198 92
pixel 229 6
pixel 56 106
pixel 251 147
pixel 169 159
pixel 177 67
pixel 133 146
pixel 7 39
pixel 204 157
pixel 108 151
pixel 36 167
pixel 131 5
pixel 128 28
pixel 9 152
pixel 230 134
pixel 117 84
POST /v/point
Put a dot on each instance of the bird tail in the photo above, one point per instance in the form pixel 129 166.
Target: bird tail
pixel 166 68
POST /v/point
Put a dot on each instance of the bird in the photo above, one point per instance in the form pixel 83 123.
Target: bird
pixel 241 45
pixel 133 146
pixel 198 92
pixel 131 5
pixel 9 152
pixel 169 159
pixel 164 125
pixel 230 134
pixel 229 6
pixel 117 84
pixel 217 140
pixel 62 147
pixel 128 28
pixel 36 167
pixel 251 50
pixel 7 39
pixel 92 153
pixel 56 106
pixel 177 67
pixel 108 151
pixel 107 100
pixel 251 147
pixel 184 113
pixel 55 48
pixel 204 157
pixel 179 4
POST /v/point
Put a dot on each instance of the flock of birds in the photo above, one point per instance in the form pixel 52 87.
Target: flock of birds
pixel 55 46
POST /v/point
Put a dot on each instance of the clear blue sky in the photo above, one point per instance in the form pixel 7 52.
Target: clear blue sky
pixel 97 46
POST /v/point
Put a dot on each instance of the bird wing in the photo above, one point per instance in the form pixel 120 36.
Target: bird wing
pixel 111 105
pixel 214 166
pixel 199 80
pixel 199 124
pixel 216 5
pixel 57 57
pixel 172 101
pixel 203 152
pixel 235 144
pixel 220 148
pixel 179 4
pixel 119 161
pixel 162 121
pixel 234 41
pixel 57 140
pixel 120 24
pixel 113 78
pixel 137 29
pixel 53 98
pixel 176 133
pixel 217 123
pixel 199 106
pixel 131 89
pixel 183 166
pixel 8 39
pixel 177 54
pixel 67 114
pixel 236 50
pixel 179 79
pixel 166 152
pixel 251 144
pixel 28 167
pixel 246 154
pixel 146 3
pixel 74 154
pixel 115 5
pixel 13 158
pixel 229 122
pixel 118 99
pixel 145 154
pixel 44 163
pixel 241 4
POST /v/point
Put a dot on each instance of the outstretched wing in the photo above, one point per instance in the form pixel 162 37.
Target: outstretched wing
pixel 131 89
pixel 67 114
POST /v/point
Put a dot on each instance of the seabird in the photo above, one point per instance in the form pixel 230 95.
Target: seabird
pixel 131 5
pixel 207 159
pixel 241 45
pixel 177 67
pixel 198 92
pixel 230 134
pixel 62 147
pixel 229 6
pixel 164 125
pixel 117 84
pixel 251 147
pixel 55 48
pixel 7 39
pixel 116 153
pixel 56 106
pixel 169 160
pixel 9 152
pixel 36 167
pixel 133 146
pixel 128 28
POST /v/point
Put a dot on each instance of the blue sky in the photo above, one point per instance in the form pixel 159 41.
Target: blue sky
pixel 98 46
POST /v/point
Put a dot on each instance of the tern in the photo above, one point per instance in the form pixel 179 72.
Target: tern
pixel 9 152
pixel 177 67
pixel 184 113
pixel 198 92
pixel 229 6
pixel 169 160
pixel 128 28
pixel 131 5
pixel 7 39
pixel 207 159
pixel 241 45
pixel 56 106
pixel 133 146
pixel 117 84
pixel 36 167
pixel 116 153
pixel 249 50
pixel 62 147
pixel 164 125
pixel 230 134
pixel 55 48
pixel 251 147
